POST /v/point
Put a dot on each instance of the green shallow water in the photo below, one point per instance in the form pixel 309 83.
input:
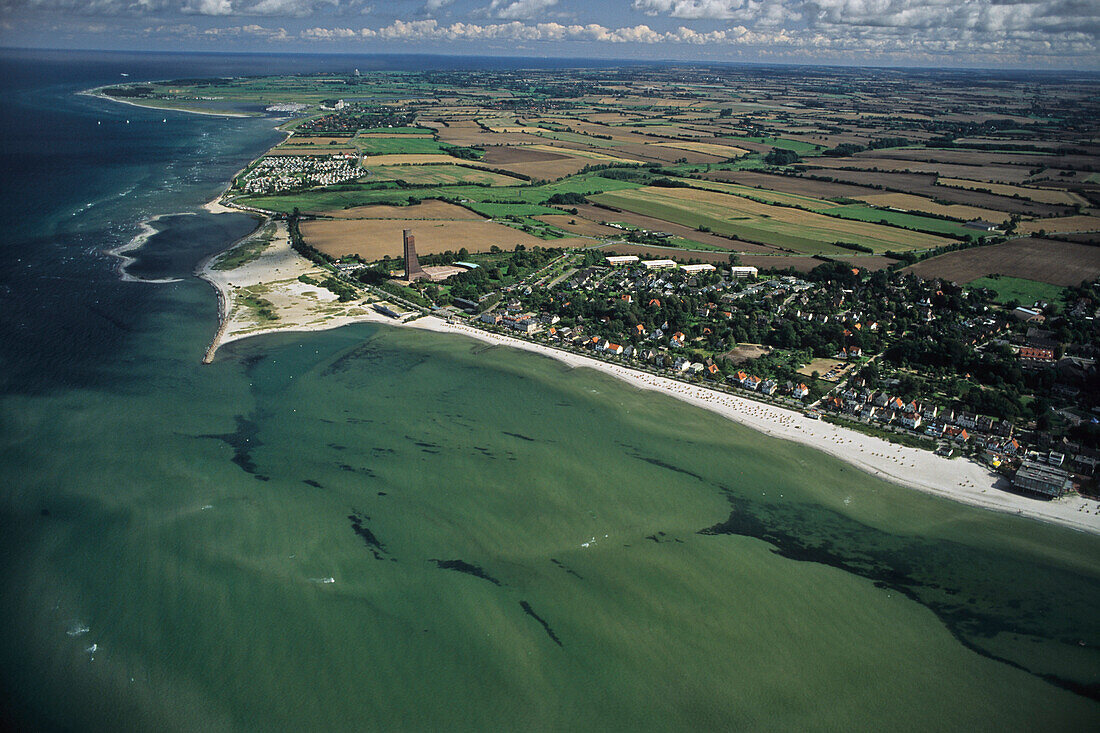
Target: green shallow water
pixel 514 545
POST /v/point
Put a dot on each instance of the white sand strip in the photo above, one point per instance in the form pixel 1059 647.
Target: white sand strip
pixel 959 479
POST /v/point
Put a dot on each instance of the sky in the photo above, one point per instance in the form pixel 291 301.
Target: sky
pixel 1037 34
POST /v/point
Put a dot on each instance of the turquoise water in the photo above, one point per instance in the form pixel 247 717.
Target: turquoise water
pixel 511 544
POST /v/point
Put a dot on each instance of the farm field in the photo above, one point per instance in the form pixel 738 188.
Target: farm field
pixel 909 202
pixel 1044 260
pixel 544 164
pixel 999 174
pixel 429 209
pixel 374 239
pixel 590 155
pixel 807 187
pixel 370 161
pixel 498 210
pixel 1042 195
pixel 649 223
pixel 1023 291
pixel 400 145
pixel 791 229
pixel 1060 224
pixel 903 219
pixel 721 151
pixel 924 184
pixel 438 175
pixel 579 225
pixel 798 146
pixel 768 196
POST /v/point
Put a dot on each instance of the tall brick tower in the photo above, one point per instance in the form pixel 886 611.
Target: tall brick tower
pixel 413 271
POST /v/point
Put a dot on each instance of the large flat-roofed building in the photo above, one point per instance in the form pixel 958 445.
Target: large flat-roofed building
pixel 1042 480
pixel 622 259
pixel 659 264
pixel 391 310
pixel 743 271
pixel 697 268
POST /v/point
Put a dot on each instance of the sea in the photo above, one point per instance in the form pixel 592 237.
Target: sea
pixel 377 529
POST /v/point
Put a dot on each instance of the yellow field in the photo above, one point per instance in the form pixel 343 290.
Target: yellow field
pixel 1060 224
pixel 722 151
pixel 373 239
pixel 909 202
pixel 1041 195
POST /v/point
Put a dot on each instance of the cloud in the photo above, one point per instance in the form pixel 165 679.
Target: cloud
pixel 694 9
pixel 208 7
pixel 255 31
pixel 434 6
pixel 213 8
pixel 519 9
pixel 868 43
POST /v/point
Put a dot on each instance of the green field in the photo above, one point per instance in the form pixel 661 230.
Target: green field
pixel 328 200
pixel 438 175
pixel 400 146
pixel 1026 292
pixel 859 212
pixel 494 211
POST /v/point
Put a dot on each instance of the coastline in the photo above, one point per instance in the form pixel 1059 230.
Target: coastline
pixel 960 480
pixel 95 92
pixel 137 242
pixel 305 310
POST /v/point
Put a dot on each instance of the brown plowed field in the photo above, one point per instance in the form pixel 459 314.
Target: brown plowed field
pixel 983 158
pixel 517 154
pixel 373 239
pixel 1045 260
pixel 789 184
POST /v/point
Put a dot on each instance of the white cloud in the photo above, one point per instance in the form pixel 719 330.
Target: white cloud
pixel 519 9
pixel 295 8
pixel 208 7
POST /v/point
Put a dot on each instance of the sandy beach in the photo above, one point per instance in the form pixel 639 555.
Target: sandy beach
pixel 97 92
pixel 274 276
pixel 959 479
